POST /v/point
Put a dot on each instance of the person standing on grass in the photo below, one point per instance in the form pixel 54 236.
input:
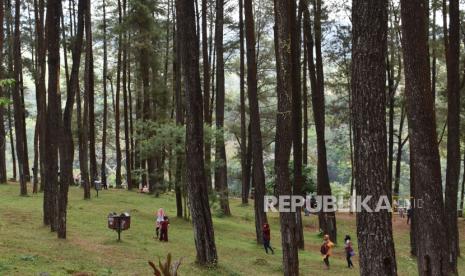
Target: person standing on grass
pixel 409 214
pixel 159 220
pixel 267 238
pixel 326 250
pixel 164 229
pixel 349 251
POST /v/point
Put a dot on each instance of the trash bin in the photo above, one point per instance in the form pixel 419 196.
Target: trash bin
pixel 125 221
pixel 113 221
pixel 119 223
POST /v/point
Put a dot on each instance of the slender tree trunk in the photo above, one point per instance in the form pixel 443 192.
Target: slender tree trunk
pixel 88 78
pixel 103 167
pixel 9 33
pixel 430 239
pixel 255 134
pixel 391 106
pixel 67 143
pixel 54 106
pixel 206 87
pixel 400 146
pixel 18 103
pixel 453 133
pixel 243 139
pixel 221 169
pixel 327 220
pixel 126 107
pixel 285 18
pixel 180 158
pixel 3 176
pixel 377 255
pixel 297 118
pixel 117 101
pixel 196 180
pixel 462 194
pixel 305 99
pixel 91 95
pixel 41 94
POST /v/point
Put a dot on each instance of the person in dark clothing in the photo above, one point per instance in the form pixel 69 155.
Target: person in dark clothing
pixel 164 229
pixel 267 238
pixel 409 214
pixel 349 251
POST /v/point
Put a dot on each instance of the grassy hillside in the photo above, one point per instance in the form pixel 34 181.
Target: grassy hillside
pixel 28 248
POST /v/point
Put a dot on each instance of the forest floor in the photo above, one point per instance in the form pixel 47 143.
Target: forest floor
pixel 28 248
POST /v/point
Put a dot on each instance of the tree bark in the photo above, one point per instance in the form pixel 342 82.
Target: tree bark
pixel 453 133
pixel 255 134
pixel 196 180
pixel 52 140
pixel 117 100
pixel 400 146
pixel 243 139
pixel 126 108
pixel 103 168
pixel 430 239
pixel 18 103
pixel 3 176
pixel 374 229
pixel 285 18
pixel 206 86
pixel 180 158
pixel 327 220
pixel 221 169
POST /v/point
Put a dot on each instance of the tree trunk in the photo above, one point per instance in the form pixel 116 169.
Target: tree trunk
pixel 258 170
pixel 18 103
pixel 327 220
pixel 285 18
pixel 180 158
pixel 462 194
pixel 196 180
pixel 91 95
pixel 243 139
pixel 206 87
pixel 453 133
pixel 3 176
pixel 67 143
pixel 54 107
pixel 400 146
pixel 103 168
pixel 9 32
pixel 431 241
pixel 377 255
pixel 221 169
pixel 117 101
pixel 126 108
pixel 297 119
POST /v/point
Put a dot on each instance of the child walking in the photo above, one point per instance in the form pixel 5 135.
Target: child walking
pixel 164 229
pixel 349 251
pixel 267 238
pixel 326 250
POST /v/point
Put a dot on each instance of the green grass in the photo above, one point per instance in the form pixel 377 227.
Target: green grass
pixel 28 248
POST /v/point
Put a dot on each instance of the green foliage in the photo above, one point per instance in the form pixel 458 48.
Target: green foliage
pixel 7 82
pixel 166 269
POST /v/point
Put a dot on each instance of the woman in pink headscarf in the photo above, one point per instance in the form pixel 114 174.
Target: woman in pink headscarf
pixel 159 220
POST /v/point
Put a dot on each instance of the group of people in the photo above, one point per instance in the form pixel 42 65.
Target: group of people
pixel 161 232
pixel 326 249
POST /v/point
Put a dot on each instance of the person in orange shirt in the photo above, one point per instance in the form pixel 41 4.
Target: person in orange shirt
pixel 326 250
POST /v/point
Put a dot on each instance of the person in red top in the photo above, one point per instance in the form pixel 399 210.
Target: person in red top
pixel 267 238
pixel 164 229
